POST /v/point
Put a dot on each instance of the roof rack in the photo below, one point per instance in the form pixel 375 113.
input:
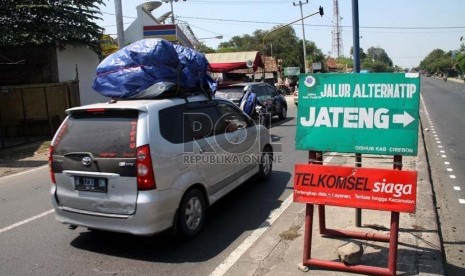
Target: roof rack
pixel 169 94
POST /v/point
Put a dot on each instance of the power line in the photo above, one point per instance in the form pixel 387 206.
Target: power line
pixel 197 27
pixel 326 25
pixel 108 13
pixel 238 3
pixel 313 25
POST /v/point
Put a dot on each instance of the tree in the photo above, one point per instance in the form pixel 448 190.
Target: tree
pixel 345 62
pixel 380 55
pixel 54 23
pixel 362 54
pixel 460 59
pixel 436 61
pixel 286 46
pixel 203 48
pixel 283 42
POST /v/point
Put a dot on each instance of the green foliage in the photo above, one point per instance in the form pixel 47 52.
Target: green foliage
pixel 377 54
pixel 347 62
pixel 204 48
pixel 362 54
pixel 436 61
pixel 50 22
pixel 283 42
pixel 375 59
pixel 461 62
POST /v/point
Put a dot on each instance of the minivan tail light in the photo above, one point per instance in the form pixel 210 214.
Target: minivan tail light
pixel 145 175
pixel 51 150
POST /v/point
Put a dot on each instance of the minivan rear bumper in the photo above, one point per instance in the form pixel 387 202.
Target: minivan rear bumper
pixel 155 212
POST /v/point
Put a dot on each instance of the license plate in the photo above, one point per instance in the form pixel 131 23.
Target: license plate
pixel 90 184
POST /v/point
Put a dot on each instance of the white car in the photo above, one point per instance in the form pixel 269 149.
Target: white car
pixel 143 166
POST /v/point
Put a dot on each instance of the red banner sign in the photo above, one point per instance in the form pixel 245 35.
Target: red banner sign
pixel 365 188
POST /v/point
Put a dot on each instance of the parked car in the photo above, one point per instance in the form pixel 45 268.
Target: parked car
pixel 143 166
pixel 267 101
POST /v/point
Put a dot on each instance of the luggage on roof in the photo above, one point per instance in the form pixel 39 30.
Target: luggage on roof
pixel 148 67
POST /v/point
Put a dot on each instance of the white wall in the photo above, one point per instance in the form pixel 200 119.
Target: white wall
pixel 86 61
pixel 135 31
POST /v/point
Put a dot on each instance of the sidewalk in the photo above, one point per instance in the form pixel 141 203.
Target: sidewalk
pixel 419 250
pixel 456 80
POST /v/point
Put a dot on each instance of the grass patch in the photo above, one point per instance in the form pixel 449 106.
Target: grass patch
pixel 290 234
pixel 23 151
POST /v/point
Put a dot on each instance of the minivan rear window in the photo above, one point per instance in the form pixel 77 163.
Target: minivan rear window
pixel 106 133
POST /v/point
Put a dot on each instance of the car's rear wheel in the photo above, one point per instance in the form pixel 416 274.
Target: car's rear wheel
pixel 192 211
pixel 266 164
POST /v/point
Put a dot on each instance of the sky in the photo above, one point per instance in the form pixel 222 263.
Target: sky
pixel 408 30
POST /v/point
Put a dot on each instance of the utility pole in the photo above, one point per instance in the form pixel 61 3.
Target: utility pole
pixel 119 23
pixel 304 44
pixel 172 11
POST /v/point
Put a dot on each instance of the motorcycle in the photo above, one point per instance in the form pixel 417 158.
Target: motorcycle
pixel 264 113
pixel 252 107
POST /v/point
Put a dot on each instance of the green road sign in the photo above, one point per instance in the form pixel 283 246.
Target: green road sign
pixel 361 113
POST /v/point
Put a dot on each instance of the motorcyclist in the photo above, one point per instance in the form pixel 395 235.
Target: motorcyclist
pixel 248 101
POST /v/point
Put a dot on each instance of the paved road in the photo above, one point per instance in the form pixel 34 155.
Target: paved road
pixel 41 246
pixel 445 135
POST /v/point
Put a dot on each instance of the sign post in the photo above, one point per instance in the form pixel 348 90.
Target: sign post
pixel 291 71
pixel 360 113
pixel 356 113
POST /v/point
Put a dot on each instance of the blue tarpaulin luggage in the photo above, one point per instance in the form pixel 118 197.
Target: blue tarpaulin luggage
pixel 141 68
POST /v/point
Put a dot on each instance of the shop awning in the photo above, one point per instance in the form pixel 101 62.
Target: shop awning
pixel 225 62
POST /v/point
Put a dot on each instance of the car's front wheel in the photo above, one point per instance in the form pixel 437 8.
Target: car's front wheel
pixel 266 164
pixel 192 211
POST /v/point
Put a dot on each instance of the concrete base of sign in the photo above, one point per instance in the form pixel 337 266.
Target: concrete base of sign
pixel 350 253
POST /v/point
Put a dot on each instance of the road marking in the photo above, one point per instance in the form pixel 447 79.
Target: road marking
pixel 26 221
pixel 456 188
pixel 256 234
pixel 442 151
pixel 24 172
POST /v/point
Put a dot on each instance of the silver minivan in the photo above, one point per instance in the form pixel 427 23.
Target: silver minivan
pixel 143 166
